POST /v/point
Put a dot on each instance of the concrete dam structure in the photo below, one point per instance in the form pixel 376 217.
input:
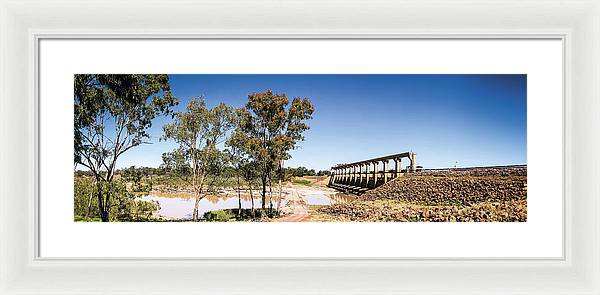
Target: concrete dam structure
pixel 359 177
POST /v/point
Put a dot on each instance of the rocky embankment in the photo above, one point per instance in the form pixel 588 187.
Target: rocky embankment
pixel 477 194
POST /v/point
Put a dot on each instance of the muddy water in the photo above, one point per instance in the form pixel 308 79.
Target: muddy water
pixel 325 199
pixel 181 206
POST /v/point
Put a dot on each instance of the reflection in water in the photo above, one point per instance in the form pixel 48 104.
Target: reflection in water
pixel 181 205
pixel 319 199
pixel 178 208
pixel 342 198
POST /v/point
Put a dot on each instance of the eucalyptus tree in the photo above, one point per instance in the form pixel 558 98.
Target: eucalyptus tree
pixel 274 127
pixel 250 174
pixel 175 163
pixel 112 115
pixel 237 150
pixel 133 175
pixel 199 131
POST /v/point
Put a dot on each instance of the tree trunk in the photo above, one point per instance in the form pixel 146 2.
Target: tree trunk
pixel 106 204
pixel 195 213
pixel 198 193
pixel 270 193
pixel 279 199
pixel 89 207
pixel 281 173
pixel 251 199
pixel 103 216
pixel 239 196
pixel 264 190
pixel 194 186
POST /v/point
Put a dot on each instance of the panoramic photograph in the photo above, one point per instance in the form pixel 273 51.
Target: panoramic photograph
pixel 300 148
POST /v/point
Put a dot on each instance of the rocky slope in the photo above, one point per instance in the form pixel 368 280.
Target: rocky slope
pixel 478 194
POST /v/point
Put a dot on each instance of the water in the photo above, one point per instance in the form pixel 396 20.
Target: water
pixel 181 205
pixel 177 207
pixel 317 199
pixel 326 199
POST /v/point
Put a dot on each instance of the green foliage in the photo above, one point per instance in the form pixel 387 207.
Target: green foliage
pixel 112 114
pixel 258 214
pixel 301 181
pixel 198 131
pixel 135 176
pixel 170 181
pixel 176 163
pixel 81 218
pixel 274 131
pixel 143 171
pixel 271 131
pixel 84 173
pixel 249 171
pixel 218 215
pixel 128 103
pixel 299 172
pixel 323 173
pixel 85 196
pixel 246 214
pixel 124 207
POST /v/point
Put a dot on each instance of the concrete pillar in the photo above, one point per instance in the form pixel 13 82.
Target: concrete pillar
pixel 413 162
pixel 367 173
pixel 360 174
pixel 375 176
pixel 346 174
pixel 398 162
pixel 331 175
pixel 349 174
pixel 353 174
pixel 385 170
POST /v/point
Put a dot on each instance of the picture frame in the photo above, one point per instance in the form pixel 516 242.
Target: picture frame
pixel 24 23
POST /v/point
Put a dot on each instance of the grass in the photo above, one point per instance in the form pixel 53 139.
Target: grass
pixel 225 215
pixel 86 219
pixel 302 181
pixel 316 207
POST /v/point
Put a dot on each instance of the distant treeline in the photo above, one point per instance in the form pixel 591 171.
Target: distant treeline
pixel 303 171
pixel 136 173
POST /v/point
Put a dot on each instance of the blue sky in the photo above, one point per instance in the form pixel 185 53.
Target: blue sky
pixel 471 120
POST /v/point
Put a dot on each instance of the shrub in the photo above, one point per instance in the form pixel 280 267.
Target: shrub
pixel 125 206
pixel 232 214
pixel 302 181
pixel 218 215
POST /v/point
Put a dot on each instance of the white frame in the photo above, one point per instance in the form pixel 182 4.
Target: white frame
pixel 22 23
